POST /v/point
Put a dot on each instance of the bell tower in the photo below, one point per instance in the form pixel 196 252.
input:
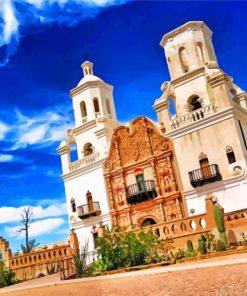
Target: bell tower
pixel 188 48
pixel 83 153
pixel 208 124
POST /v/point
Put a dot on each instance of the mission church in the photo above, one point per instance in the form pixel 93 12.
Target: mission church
pixel 150 173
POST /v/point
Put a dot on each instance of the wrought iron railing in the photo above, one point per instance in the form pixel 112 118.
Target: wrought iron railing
pixel 205 175
pixel 88 210
pixel 141 191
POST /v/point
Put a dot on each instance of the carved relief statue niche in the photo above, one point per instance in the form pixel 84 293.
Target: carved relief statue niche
pixel 140 175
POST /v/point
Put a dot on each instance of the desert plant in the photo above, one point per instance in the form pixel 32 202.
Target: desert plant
pixel 210 241
pixel 244 238
pixel 40 275
pixel 219 220
pixel 220 246
pixel 51 268
pixel 178 255
pixel 202 246
pixel 7 277
pixel 190 246
pixel 80 261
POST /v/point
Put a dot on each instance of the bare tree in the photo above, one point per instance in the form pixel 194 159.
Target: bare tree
pixel 26 216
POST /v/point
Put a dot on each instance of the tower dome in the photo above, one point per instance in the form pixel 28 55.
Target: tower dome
pixel 87 68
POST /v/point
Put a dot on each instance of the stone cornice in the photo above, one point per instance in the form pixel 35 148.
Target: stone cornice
pixel 90 84
pixel 160 104
pixel 183 28
pixel 185 78
pixel 84 127
pixel 100 133
pixel 85 169
pixel 90 221
pixel 63 150
pixel 200 124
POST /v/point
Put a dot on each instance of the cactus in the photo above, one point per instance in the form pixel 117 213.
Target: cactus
pixel 190 246
pixel 220 246
pixel 202 246
pixel 219 219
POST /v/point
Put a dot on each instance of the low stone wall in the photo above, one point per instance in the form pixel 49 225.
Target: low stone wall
pixel 188 228
pixel 236 223
pixel 28 266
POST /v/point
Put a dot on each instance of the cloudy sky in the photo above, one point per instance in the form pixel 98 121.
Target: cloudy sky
pixel 43 43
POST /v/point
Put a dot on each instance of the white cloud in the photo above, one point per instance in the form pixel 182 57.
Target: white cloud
pixel 3 130
pixel 11 24
pixel 41 130
pixel 12 214
pixel 43 11
pixel 6 157
pixel 33 136
pixel 37 228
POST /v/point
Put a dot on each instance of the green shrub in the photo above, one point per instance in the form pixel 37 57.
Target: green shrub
pixel 190 246
pixel 7 277
pixel 40 275
pixel 210 241
pixel 97 267
pixel 220 246
pixel 118 250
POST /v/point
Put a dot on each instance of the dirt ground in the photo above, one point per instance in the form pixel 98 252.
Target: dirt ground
pixel 211 281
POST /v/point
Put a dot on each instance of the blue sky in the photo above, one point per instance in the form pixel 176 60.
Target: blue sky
pixel 43 43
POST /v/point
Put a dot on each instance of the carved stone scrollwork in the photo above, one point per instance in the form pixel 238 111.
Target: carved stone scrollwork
pixel 70 136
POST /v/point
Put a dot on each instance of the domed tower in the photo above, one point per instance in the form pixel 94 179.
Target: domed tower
pixel 83 153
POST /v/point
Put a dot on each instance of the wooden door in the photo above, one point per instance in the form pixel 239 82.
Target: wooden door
pixel 206 172
pixel 140 183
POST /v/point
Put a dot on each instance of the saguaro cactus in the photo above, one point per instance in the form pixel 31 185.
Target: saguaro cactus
pixel 219 219
pixel 190 246
pixel 202 246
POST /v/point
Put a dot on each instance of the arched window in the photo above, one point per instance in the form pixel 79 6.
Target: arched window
pixel 83 109
pixel 108 106
pixel 194 102
pixel 88 149
pixel 73 152
pixel 199 51
pixel 183 59
pixel 73 205
pixel 172 108
pixel 230 155
pixel 233 93
pixel 96 104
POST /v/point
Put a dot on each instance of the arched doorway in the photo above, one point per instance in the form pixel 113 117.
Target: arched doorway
pixel 148 222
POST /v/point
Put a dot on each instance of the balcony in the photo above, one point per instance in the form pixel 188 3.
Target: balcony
pixel 140 192
pixel 205 175
pixel 85 161
pixel 193 116
pixel 89 210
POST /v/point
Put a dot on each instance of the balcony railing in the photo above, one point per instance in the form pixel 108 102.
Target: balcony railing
pixel 87 160
pixel 89 210
pixel 141 191
pixel 193 116
pixel 205 175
